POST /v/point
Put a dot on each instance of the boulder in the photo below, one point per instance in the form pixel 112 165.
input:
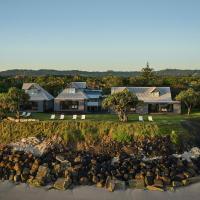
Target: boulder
pixel 110 184
pixel 62 183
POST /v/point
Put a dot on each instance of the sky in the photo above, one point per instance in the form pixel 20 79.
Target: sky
pixel 99 35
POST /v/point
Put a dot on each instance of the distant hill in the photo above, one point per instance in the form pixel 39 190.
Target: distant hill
pixel 46 72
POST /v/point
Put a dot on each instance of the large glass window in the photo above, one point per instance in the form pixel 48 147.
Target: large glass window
pixel 69 105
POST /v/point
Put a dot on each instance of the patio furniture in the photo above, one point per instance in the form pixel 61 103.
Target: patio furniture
pixel 62 117
pixel 28 114
pixel 83 117
pixel 74 117
pixel 141 119
pixel 150 118
pixel 53 116
pixel 23 114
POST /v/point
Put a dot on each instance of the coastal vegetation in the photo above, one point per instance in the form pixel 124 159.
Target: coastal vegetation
pixel 121 103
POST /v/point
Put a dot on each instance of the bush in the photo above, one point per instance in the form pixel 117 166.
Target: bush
pixel 74 131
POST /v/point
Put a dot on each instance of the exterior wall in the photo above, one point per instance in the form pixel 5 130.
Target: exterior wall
pixel 57 106
pixel 142 109
pixel 177 108
pixel 48 105
pixel 40 106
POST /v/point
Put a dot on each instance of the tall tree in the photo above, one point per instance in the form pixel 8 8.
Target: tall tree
pixel 189 97
pixel 3 105
pixel 148 74
pixel 15 98
pixel 121 102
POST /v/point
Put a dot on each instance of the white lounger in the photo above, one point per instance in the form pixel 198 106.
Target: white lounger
pixel 150 118
pixel 82 116
pixel 23 114
pixel 141 119
pixel 62 116
pixel 28 114
pixel 74 117
pixel 53 116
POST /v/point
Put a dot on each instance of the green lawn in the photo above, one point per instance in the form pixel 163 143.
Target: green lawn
pixel 165 122
pixel 159 118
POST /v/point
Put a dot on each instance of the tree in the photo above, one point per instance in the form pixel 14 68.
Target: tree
pixel 148 74
pixel 121 102
pixel 3 105
pixel 15 98
pixel 189 97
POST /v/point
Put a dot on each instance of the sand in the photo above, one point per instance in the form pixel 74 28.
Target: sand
pixel 9 191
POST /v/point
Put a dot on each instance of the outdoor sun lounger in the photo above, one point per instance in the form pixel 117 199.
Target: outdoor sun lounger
pixel 150 118
pixel 23 114
pixel 82 116
pixel 74 117
pixel 53 116
pixel 62 116
pixel 27 115
pixel 141 118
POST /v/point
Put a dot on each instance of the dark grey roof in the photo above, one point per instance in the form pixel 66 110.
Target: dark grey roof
pixel 78 85
pixel 78 94
pixel 145 93
pixel 93 94
pixel 36 92
pixel 71 94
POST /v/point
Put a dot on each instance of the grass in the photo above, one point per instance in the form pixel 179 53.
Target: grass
pixel 158 118
pixel 97 125
pixel 166 122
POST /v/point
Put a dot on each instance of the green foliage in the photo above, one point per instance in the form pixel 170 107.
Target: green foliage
pixel 174 137
pixel 12 100
pixel 72 131
pixel 121 102
pixel 189 97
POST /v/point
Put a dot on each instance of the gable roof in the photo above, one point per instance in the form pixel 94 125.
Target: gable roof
pixel 71 96
pixel 145 93
pixel 36 92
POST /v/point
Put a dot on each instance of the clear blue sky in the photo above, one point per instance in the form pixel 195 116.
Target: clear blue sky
pixel 99 34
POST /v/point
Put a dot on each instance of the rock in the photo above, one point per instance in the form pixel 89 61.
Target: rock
pixel 17 178
pixel 140 184
pixel 177 184
pixel 120 185
pixel 132 183
pixel 158 183
pixel 84 181
pixel 36 182
pixel 62 183
pixel 166 180
pixel 149 179
pixel 154 188
pixel 195 152
pixel 110 184
pixel 60 158
pixel 100 185
pixel 43 172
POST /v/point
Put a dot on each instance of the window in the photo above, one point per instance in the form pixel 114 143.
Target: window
pixel 69 105
pixel 155 94
pixel 93 100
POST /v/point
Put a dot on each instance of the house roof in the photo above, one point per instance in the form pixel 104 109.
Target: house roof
pixel 145 93
pixel 93 93
pixel 72 96
pixel 36 92
pixel 78 85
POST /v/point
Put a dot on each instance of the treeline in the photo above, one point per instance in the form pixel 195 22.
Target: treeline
pixel 55 84
pixel 48 72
